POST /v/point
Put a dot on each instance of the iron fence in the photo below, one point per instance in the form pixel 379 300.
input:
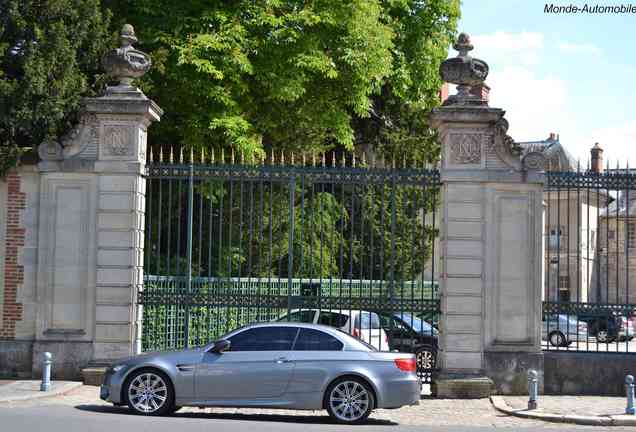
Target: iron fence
pixel 590 241
pixel 227 244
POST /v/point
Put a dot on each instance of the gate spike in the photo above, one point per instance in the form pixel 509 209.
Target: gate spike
pixel 313 158
pixel 578 165
pixel 181 155
pixel 404 161
pixel 344 160
pixel 333 159
pixel 304 159
pixel 191 155
pixel 393 162
pixel 160 154
pixel 242 157
pixel 292 157
pixel 152 156
pixel 353 160
pixel 282 157
pixel 222 155
pixel 271 156
pixel 212 155
pixel 364 158
pixel 202 155
pixel 171 154
pixel 323 159
pixel 232 155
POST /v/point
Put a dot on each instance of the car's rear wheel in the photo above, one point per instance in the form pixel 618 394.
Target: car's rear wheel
pixel 602 336
pixel 349 400
pixel 425 357
pixel 557 339
pixel 149 392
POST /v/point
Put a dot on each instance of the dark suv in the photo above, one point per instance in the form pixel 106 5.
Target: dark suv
pixel 408 333
pixel 607 326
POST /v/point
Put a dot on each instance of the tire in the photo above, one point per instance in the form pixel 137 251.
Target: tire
pixel 602 336
pixel 342 404
pixel 149 392
pixel 557 339
pixel 426 358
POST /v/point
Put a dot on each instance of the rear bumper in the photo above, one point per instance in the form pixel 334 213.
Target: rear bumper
pixel 400 393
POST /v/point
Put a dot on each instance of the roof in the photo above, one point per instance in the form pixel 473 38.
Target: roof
pixel 559 159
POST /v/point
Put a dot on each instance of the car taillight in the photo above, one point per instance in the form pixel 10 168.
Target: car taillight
pixel 406 364
pixel 356 333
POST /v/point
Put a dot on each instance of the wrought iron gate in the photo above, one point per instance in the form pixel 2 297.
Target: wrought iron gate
pixel 227 244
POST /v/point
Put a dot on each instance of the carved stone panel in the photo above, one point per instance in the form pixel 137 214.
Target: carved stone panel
pixel 466 148
pixel 119 141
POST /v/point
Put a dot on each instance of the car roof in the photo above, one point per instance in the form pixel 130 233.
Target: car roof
pixel 338 311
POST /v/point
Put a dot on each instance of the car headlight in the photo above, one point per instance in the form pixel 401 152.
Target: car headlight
pixel 117 368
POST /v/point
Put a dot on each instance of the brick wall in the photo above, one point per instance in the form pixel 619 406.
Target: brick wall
pixel 13 273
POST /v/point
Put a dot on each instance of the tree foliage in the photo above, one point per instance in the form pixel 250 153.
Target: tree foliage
pixel 49 59
pixel 294 74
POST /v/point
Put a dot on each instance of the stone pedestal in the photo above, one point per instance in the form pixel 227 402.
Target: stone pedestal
pixel 491 255
pixel 90 251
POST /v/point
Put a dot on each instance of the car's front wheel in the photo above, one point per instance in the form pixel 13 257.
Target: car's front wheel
pixel 557 339
pixel 149 392
pixel 349 400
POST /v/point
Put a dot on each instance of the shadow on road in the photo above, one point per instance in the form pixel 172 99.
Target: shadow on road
pixel 281 418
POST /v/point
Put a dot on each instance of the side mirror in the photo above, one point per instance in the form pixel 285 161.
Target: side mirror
pixel 220 346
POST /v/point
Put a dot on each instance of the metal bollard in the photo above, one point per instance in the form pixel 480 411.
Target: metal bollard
pixel 533 389
pixel 629 389
pixel 46 371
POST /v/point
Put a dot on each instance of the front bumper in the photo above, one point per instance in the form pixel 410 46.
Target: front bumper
pixel 104 393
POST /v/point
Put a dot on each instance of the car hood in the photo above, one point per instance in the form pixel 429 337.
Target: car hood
pixel 142 358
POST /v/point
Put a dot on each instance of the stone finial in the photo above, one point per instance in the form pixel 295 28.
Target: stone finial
pixel 126 63
pixel 465 71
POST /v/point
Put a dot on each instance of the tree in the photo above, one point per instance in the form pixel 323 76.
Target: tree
pixel 292 74
pixel 49 58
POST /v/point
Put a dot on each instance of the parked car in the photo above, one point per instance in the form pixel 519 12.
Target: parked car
pixel 361 324
pixel 409 333
pixel 561 330
pixel 606 325
pixel 273 365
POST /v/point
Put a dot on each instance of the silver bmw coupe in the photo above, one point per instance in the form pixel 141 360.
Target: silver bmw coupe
pixel 274 365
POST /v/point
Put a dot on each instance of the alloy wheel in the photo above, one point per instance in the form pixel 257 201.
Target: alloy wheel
pixel 557 339
pixel 602 336
pixel 425 359
pixel 147 392
pixel 349 401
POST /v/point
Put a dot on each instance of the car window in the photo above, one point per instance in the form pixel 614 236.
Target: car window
pixel 332 319
pixel 367 320
pixel 305 316
pixel 264 339
pixel 315 340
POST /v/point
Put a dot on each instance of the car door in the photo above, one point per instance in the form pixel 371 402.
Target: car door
pixel 313 355
pixel 258 365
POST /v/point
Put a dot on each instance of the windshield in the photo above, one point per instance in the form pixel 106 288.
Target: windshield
pixel 416 323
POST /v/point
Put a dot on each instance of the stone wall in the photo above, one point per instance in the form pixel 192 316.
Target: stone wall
pixel 580 373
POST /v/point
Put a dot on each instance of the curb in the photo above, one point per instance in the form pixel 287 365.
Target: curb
pixel 65 388
pixel 616 420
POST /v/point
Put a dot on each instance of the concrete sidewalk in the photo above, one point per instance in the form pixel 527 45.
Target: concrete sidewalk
pixel 21 390
pixel 582 410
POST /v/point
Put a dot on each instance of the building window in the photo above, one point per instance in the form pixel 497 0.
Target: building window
pixel 610 234
pixel 564 295
pixel 592 239
pixel 631 235
pixel 564 282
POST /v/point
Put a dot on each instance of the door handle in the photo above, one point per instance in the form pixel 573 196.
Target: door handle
pixel 282 360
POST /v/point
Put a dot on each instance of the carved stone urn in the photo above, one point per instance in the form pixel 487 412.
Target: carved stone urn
pixel 466 72
pixel 126 63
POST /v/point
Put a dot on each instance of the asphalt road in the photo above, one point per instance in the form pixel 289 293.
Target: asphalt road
pixel 96 417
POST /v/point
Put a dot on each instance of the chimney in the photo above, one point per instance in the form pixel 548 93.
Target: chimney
pixel 597 158
pixel 481 91
pixel 552 137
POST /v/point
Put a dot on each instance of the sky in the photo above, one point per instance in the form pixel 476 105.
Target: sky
pixel 571 74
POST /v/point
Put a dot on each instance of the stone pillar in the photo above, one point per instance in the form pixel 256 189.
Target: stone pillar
pixel 92 224
pixel 490 243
